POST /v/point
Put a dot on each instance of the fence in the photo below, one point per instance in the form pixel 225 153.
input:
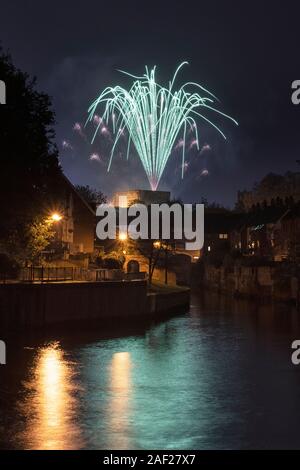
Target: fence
pixel 52 274
pixel 48 274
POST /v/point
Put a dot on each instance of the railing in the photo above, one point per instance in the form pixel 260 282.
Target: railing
pixel 64 274
pixel 50 274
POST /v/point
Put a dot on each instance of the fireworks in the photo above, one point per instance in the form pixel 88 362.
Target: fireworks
pixel 66 145
pixel 179 144
pixel 154 116
pixel 95 157
pixel 77 127
pixel 97 120
pixel 185 166
pixel 105 131
pixel 205 148
pixel 194 143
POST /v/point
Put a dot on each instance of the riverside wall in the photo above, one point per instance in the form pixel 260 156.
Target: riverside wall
pixel 260 282
pixel 40 305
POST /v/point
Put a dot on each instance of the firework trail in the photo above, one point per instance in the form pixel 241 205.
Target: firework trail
pixel 154 116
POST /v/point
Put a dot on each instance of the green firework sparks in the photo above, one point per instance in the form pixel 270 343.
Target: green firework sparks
pixel 154 116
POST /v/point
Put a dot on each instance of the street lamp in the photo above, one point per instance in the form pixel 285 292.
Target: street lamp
pixel 122 236
pixel 55 217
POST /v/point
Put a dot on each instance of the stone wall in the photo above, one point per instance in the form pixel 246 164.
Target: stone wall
pixel 260 282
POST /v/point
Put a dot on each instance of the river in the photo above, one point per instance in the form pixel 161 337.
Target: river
pixel 217 377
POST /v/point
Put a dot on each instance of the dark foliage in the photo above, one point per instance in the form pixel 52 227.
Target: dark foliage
pixel 29 158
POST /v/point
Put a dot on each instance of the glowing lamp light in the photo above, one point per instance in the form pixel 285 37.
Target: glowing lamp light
pixel 157 244
pixel 122 236
pixel 55 217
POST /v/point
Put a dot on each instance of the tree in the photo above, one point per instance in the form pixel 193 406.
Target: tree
pixel 29 177
pixel 36 236
pixel 91 195
pixel 215 206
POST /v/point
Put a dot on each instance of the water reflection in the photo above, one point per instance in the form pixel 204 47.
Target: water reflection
pixel 50 405
pixel 219 377
pixel 118 411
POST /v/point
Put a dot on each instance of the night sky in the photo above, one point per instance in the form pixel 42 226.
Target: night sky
pixel 244 52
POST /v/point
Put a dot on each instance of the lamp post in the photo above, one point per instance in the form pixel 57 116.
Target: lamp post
pixel 54 219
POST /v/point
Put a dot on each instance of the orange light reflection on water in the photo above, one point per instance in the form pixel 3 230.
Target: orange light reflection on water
pixel 119 404
pixel 50 405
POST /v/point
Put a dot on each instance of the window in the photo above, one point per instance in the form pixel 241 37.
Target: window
pixel 223 236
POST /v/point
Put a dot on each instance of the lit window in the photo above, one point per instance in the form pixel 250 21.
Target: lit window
pixel 223 235
pixel 208 248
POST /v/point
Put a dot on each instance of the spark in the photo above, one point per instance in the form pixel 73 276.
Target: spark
pixel 179 144
pixel 154 116
pixel 194 143
pixel 97 119
pixel 77 127
pixel 66 145
pixel 105 131
pixel 95 157
pixel 205 148
pixel 185 166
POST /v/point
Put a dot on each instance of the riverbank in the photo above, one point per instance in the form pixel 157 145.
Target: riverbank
pixel 276 282
pixel 164 299
pixel 27 305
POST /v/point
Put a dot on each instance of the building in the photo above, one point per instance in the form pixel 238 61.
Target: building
pixel 272 189
pixel 287 236
pixel 257 231
pixel 219 228
pixel 74 222
pixel 144 196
